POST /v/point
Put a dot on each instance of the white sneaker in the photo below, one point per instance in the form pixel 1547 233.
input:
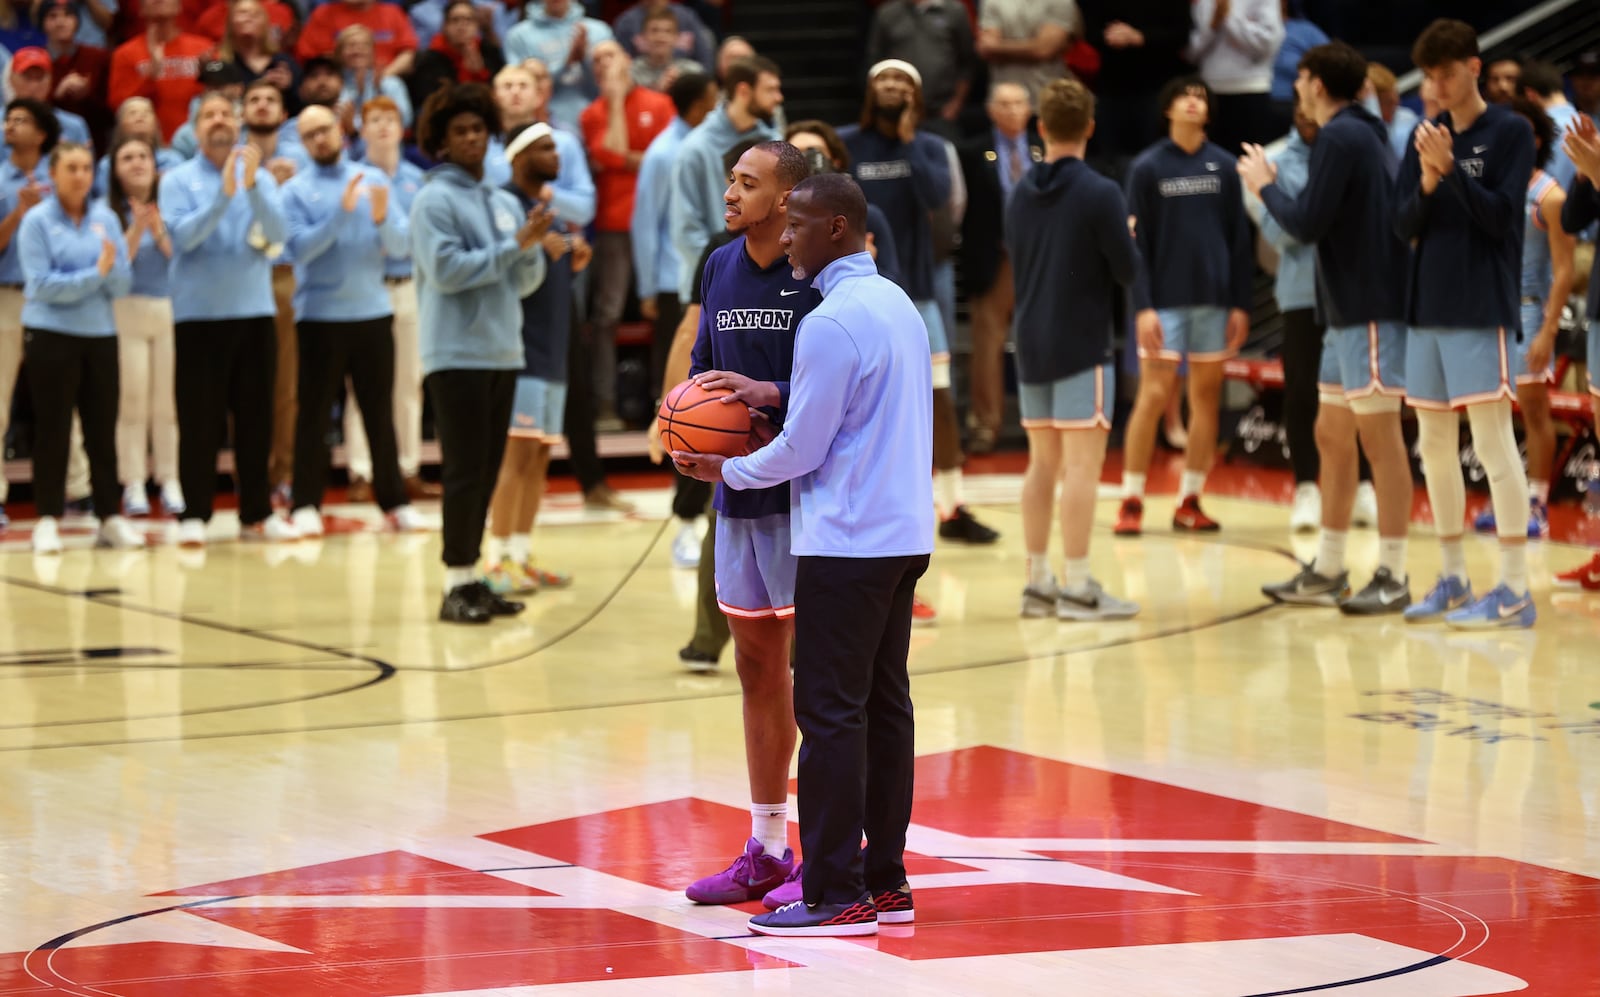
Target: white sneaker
pixel 307 521
pixel 46 536
pixel 172 498
pixel 686 547
pixel 273 529
pixel 1365 512
pixel 191 533
pixel 1307 512
pixel 134 501
pixel 405 519
pixel 117 533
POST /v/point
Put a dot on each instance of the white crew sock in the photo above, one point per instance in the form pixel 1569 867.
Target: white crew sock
pixel 454 578
pixel 1514 567
pixel 1392 555
pixel 1193 483
pixel 1454 557
pixel 521 548
pixel 1132 485
pixel 494 550
pixel 769 824
pixel 947 497
pixel 1077 574
pixel 1039 570
pixel 1539 490
pixel 1330 554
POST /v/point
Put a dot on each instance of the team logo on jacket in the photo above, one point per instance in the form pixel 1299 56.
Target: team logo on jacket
pixel 1190 186
pixel 1471 167
pixel 897 169
pixel 503 220
pixel 755 320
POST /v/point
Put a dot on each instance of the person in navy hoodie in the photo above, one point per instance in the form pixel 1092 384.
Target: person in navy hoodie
pixel 344 322
pixel 223 211
pixel 1462 189
pixel 74 264
pixel 1071 254
pixel 1347 210
pixel 906 173
pixel 1192 296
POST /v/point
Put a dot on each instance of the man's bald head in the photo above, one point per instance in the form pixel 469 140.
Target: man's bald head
pixel 835 195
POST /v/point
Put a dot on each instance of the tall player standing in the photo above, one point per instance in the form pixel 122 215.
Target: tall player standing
pixel 1067 233
pixel 751 305
pixel 1461 188
pixel 1347 210
pixel 1192 295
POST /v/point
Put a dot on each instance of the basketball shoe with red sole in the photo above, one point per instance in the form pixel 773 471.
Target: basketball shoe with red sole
pixel 1189 519
pixel 922 613
pixel 1584 576
pixel 1130 518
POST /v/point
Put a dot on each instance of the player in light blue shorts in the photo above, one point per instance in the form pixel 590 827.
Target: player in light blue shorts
pixel 1198 333
pixel 1364 362
pixel 1454 367
pixel 538 410
pixel 754 569
pixel 1084 400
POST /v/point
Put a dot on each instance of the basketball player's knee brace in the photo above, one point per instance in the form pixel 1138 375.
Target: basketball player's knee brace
pixel 941 373
pixel 1439 440
pixel 1495 443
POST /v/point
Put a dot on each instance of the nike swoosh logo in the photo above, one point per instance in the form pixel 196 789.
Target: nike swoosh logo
pixel 1390 598
pixel 785 294
pixel 1506 612
pixel 1477 149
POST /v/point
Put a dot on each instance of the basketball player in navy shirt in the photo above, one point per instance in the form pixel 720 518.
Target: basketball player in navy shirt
pixel 1347 211
pixel 1192 295
pixel 751 305
pixel 1462 187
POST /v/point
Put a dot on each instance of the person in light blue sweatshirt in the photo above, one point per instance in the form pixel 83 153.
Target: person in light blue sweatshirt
pixel 752 94
pixel 344 321
pixel 855 448
pixel 74 264
pixel 224 213
pixel 560 34
pixel 477 255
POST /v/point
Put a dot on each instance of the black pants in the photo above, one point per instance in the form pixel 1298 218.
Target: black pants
pixel 1302 361
pixel 329 352
pixel 852 703
pixel 223 366
pixel 67 372
pixel 690 497
pixel 669 312
pixel 471 414
pixel 578 418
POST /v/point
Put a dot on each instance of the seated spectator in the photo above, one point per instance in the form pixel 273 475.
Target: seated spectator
pixel 559 35
pixel 1400 120
pixel 30 80
pixel 362 80
pixel 94 19
pixel 136 120
pixel 281 20
pixel 457 54
pixel 692 39
pixel 1300 36
pixel 659 64
pixel 252 40
pixel 163 65
pixel 78 71
pixel 216 76
pixel 394 43
pixel 17 30
pixel 427 19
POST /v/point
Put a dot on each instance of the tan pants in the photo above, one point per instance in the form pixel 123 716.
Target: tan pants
pixel 147 414
pixel 285 392
pixel 991 325
pixel 10 364
pixel 407 394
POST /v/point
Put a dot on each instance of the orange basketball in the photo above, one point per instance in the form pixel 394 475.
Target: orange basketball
pixel 696 420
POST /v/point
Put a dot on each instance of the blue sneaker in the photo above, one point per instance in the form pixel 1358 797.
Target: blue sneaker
pixel 1500 609
pixel 1485 521
pixel 1449 593
pixel 803 920
pixel 5 520
pixel 1538 520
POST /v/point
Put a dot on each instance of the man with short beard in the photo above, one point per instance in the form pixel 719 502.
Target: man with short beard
pixel 522 95
pixel 753 93
pixel 907 175
pixel 344 320
pixel 223 211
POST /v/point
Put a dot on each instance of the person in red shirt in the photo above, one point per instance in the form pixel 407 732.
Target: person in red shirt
pixel 459 54
pixel 163 65
pixel 617 128
pixel 213 24
pixel 394 42
pixel 78 72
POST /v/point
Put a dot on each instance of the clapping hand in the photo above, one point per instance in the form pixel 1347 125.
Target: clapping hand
pixel 1582 146
pixel 108 256
pixel 537 224
pixel 1255 170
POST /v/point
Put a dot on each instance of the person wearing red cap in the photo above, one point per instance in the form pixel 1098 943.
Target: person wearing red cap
pixel 163 65
pixel 30 79
pixel 78 69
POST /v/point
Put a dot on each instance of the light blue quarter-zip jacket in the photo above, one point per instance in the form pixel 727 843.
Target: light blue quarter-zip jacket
pixel 220 245
pixel 339 255
pixel 63 289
